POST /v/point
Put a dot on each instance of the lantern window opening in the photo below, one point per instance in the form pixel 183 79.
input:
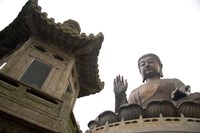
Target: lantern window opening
pixel 36 74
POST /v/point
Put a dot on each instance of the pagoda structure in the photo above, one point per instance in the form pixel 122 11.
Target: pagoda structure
pixel 45 67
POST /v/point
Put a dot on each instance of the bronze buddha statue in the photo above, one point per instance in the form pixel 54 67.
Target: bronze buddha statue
pixel 154 88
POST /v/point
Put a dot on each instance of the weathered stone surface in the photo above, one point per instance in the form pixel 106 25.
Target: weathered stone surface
pixel 33 110
pixel 152 125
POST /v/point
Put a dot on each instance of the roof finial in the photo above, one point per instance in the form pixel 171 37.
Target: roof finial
pixel 34 1
pixel 72 24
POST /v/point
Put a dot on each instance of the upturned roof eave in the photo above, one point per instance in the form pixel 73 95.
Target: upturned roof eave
pixel 32 22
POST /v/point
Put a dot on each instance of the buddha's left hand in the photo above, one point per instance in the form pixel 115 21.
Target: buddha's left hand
pixel 181 92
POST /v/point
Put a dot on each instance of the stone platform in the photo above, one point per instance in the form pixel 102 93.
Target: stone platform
pixel 152 125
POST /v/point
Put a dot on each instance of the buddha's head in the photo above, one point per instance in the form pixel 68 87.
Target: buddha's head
pixel 150 66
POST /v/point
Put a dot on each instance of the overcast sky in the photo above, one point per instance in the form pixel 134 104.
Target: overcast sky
pixel 168 28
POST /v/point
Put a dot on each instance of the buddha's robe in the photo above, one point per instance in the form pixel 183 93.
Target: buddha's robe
pixel 163 92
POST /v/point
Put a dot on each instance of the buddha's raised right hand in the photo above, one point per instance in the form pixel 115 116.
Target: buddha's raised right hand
pixel 120 85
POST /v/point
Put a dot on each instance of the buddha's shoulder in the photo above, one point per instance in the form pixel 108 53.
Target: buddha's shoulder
pixel 170 79
pixel 134 91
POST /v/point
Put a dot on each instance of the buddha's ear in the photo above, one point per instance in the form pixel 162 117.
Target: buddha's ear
pixel 143 79
pixel 142 76
pixel 161 73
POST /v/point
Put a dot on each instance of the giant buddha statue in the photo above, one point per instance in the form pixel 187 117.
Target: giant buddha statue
pixel 158 105
pixel 154 88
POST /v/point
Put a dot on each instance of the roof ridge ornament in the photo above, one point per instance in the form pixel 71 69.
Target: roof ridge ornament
pixel 72 25
pixel 34 1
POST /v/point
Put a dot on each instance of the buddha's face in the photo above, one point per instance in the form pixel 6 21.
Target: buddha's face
pixel 149 67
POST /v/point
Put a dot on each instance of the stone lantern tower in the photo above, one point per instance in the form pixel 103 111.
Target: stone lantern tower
pixel 45 67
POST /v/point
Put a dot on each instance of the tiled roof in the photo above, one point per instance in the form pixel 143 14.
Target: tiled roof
pixel 32 22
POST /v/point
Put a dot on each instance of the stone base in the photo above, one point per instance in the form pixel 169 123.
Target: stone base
pixel 152 125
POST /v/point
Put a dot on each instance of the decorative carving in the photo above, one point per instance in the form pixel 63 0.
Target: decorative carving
pixel 92 124
pixel 107 117
pixel 130 111
pixel 155 108
pixel 189 109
